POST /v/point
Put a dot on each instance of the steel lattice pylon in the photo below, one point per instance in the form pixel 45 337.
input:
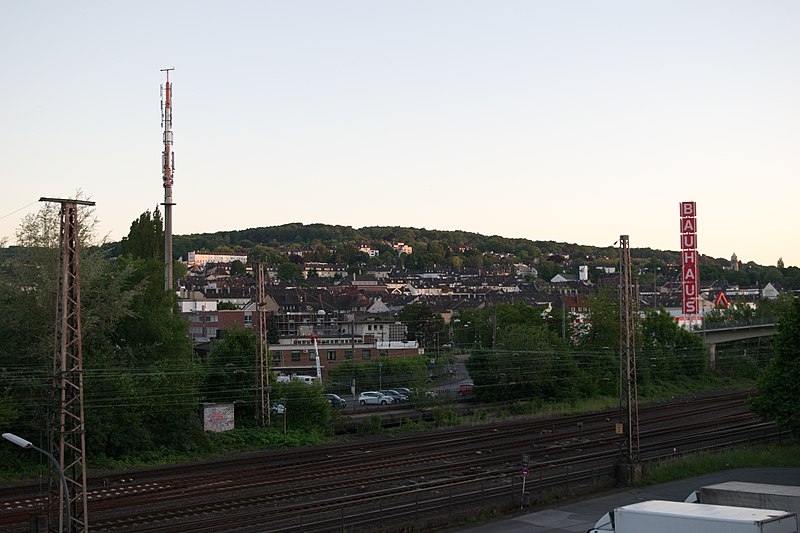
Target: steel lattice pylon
pixel 628 397
pixel 263 349
pixel 67 430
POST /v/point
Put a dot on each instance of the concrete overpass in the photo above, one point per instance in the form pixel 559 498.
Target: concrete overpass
pixel 714 336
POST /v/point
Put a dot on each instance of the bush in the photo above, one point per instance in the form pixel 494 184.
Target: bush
pixel 445 415
pixel 370 426
pixel 479 415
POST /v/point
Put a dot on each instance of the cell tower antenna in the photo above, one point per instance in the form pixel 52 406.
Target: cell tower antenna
pixel 168 171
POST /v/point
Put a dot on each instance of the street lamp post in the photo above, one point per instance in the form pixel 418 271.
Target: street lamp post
pixel 22 443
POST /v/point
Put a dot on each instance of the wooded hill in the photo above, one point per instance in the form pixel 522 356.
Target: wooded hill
pixel 459 249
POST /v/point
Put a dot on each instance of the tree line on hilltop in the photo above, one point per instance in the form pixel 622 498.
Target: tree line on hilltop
pixel 440 249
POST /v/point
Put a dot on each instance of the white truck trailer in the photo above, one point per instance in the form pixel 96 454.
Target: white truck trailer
pixel 743 494
pixel 658 516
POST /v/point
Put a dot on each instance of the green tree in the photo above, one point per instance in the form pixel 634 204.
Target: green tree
pixel 424 324
pixel 386 372
pixel 232 374
pixel 779 384
pixel 238 268
pixel 145 238
pixel 139 382
pixel 666 351
pixel 290 272
pixel 603 322
pixel 472 329
pixel 771 309
pixel 306 407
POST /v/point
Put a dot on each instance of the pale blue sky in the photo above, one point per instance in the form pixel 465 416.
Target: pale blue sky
pixel 572 121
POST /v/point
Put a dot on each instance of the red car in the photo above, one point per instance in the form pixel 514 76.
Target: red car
pixel 465 391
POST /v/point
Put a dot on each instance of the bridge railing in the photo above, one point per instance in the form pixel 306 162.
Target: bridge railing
pixel 728 324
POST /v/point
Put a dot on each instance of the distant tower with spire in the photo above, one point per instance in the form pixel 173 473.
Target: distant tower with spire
pixel 734 263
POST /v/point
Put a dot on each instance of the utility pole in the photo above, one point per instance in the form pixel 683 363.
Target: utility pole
pixel 629 401
pixel 67 433
pixel 168 170
pixel 494 327
pixel 263 349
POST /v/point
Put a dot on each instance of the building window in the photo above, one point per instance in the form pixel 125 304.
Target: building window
pixel 295 355
pixel 248 320
pixel 348 354
pixel 383 353
pixel 331 355
pixel 366 354
pixel 312 356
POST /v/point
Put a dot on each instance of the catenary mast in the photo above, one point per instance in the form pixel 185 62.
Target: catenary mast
pixel 168 169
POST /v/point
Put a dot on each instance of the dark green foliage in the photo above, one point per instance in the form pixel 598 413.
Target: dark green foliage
pixel 445 416
pixel 384 373
pixel 290 272
pixel 306 407
pixel 145 239
pixel 779 385
pixel 273 333
pixel 370 426
pixel 141 381
pixel 459 249
pixel 523 375
pixel 603 330
pixel 140 385
pixel 27 298
pixel 531 360
pixel 667 352
pixel 232 374
pixel 769 310
pixel 472 329
pixel 424 325
pixel 238 268
pixel 738 312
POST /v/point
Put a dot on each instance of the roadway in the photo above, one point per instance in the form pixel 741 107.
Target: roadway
pixel 580 515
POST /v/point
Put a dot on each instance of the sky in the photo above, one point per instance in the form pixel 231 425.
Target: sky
pixel 572 121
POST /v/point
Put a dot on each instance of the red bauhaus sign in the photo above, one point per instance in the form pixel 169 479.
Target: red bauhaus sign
pixel 691 281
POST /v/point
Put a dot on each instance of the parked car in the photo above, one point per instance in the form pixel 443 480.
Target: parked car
pixel 278 408
pixel 336 401
pixel 394 395
pixel 404 390
pixel 465 390
pixel 374 398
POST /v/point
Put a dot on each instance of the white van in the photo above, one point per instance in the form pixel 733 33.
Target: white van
pixel 305 379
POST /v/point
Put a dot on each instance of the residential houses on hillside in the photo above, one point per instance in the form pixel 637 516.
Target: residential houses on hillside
pixel 353 316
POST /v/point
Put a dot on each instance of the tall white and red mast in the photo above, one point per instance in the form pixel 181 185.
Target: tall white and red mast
pixel 168 169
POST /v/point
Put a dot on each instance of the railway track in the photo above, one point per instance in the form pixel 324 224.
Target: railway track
pixel 347 482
